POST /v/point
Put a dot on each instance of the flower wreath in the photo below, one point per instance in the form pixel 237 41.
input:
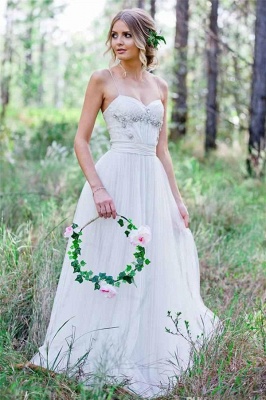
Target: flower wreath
pixel 137 236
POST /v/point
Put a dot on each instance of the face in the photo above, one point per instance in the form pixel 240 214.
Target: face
pixel 122 42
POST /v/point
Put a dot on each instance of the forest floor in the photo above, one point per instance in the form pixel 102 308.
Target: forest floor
pixel 227 209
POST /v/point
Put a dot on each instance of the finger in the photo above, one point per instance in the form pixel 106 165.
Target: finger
pixel 108 210
pixel 98 208
pixel 113 210
pixel 103 211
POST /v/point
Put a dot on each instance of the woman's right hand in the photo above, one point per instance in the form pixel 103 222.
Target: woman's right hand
pixel 104 204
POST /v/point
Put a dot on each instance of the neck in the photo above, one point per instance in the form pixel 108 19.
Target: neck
pixel 133 69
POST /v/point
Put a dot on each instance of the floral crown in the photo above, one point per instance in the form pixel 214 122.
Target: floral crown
pixel 153 39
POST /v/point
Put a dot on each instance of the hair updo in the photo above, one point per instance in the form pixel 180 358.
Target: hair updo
pixel 139 23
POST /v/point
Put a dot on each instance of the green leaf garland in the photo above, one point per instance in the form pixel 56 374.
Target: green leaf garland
pixel 125 276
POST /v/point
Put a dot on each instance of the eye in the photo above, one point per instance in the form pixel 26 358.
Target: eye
pixel 114 35
pixel 128 35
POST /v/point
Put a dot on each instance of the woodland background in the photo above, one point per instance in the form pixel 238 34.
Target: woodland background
pixel 215 65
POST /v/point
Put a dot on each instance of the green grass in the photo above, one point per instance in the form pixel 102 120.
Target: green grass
pixel 227 209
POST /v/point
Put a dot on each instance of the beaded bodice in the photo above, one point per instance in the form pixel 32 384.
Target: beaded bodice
pixel 129 120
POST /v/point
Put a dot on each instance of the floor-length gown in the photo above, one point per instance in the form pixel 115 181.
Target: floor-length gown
pixel 125 337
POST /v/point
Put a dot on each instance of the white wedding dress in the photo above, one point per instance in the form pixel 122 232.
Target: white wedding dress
pixel 124 337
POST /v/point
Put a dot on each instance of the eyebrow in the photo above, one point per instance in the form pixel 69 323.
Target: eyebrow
pixel 122 32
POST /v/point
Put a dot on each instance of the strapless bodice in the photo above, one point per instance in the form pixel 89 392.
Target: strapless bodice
pixel 133 125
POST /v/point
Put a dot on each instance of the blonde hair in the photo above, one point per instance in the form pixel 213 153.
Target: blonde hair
pixel 139 23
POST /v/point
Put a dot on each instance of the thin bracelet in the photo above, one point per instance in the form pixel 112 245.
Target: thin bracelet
pixel 100 187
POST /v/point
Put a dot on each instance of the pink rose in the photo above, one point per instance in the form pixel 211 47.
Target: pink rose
pixel 108 290
pixel 140 236
pixel 68 232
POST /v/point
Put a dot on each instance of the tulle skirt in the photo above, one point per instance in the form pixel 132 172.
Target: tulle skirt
pixel 131 337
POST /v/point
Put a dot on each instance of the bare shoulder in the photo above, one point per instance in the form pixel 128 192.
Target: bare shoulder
pixel 162 83
pixel 163 86
pixel 100 77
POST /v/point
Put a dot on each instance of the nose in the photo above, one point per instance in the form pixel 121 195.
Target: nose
pixel 119 39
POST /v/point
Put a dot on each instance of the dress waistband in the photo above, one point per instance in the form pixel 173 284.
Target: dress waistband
pixel 134 148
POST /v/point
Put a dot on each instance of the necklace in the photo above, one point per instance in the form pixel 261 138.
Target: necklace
pixel 124 71
pixel 125 74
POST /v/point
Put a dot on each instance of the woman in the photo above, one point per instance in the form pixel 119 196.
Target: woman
pixel 125 338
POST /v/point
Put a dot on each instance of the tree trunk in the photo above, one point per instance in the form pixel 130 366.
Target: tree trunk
pixel 28 69
pixel 41 69
pixel 212 62
pixel 153 8
pixel 141 3
pixel 179 110
pixel 256 145
pixel 7 60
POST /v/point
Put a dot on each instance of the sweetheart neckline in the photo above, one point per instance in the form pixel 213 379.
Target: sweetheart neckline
pixel 131 97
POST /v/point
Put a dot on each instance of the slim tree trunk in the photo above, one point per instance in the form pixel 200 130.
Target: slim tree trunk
pixel 7 60
pixel 41 69
pixel 153 8
pixel 28 69
pixel 256 145
pixel 212 62
pixel 179 111
pixel 141 3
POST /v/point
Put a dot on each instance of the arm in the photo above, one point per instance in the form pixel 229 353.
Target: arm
pixel 163 154
pixel 92 103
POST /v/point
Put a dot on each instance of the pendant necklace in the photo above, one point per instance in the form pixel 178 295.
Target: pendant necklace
pixel 125 73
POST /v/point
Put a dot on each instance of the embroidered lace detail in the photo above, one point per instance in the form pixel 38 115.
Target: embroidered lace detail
pixel 127 119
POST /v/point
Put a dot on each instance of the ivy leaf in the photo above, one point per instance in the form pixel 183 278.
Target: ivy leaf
pixel 127 233
pixel 86 275
pixel 82 263
pixel 75 235
pixel 147 262
pixel 109 280
pixel 79 279
pixel 120 222
pixel 128 279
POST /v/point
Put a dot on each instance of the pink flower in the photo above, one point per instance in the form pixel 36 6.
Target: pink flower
pixel 108 290
pixel 140 236
pixel 68 232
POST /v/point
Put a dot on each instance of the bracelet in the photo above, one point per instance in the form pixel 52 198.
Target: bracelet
pixel 100 187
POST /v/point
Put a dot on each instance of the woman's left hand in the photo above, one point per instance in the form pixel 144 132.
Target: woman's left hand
pixel 184 212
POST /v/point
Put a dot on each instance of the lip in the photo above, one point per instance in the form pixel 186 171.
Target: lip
pixel 120 51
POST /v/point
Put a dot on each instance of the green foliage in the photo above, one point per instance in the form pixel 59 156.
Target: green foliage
pixel 154 39
pixel 226 210
pixel 49 132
